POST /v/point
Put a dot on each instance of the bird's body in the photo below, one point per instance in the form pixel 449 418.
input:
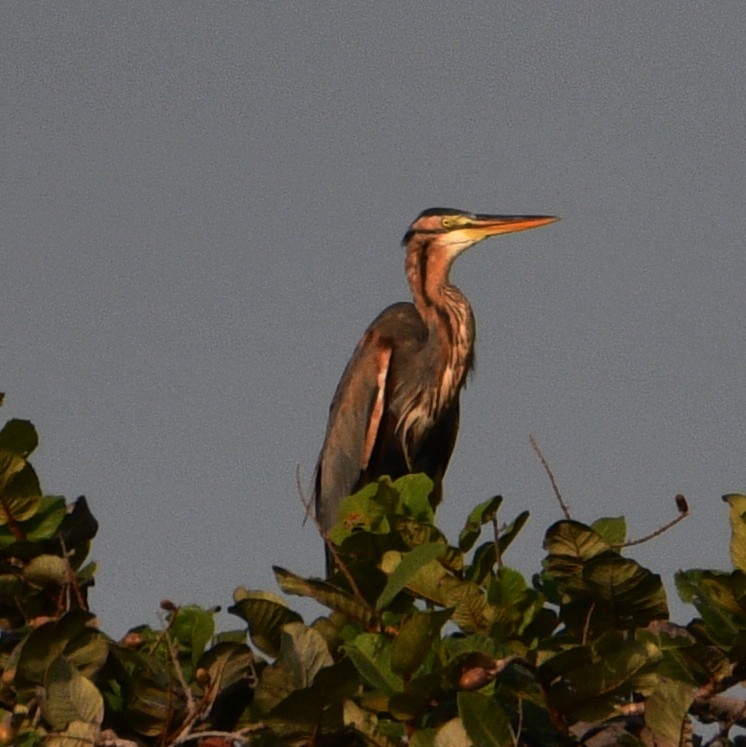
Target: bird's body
pixel 396 408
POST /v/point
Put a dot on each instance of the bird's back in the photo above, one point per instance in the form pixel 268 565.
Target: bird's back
pixel 383 384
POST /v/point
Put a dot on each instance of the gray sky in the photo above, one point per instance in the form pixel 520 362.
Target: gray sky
pixel 201 211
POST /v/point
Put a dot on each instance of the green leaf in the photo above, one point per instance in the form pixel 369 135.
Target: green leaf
pixel 484 720
pixel 266 614
pixel 20 494
pixel 613 529
pixel 77 734
pixel 303 653
pixel 599 588
pixel 46 570
pixel 471 610
pixel 72 636
pixel 192 627
pixel 229 664
pixel 361 511
pixel 371 655
pixel 152 696
pixel 484 513
pixel 717 596
pixel 320 706
pixel 415 641
pixel 18 437
pixel 48 519
pixel 411 563
pixel 79 525
pixel 414 496
pixel 510 532
pixel 325 593
pixel 574 540
pixel 737 516
pixel 666 709
pixel 588 681
pixel 70 697
pixel 634 595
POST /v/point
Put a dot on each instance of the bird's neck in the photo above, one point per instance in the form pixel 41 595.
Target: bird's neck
pixel 445 310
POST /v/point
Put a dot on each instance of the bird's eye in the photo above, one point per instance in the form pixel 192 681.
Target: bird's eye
pixel 448 221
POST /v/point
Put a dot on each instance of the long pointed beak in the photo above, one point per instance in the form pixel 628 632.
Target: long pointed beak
pixel 492 225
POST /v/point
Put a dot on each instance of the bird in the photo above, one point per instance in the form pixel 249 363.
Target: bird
pixel 396 408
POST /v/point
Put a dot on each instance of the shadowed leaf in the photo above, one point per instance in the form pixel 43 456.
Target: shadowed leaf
pixel 480 516
pixel 303 653
pixel 484 721
pixel 718 598
pixel 18 437
pixel 266 614
pixel 71 636
pixel 416 637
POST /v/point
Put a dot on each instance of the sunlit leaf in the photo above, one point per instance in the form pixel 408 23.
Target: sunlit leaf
pixel 574 540
pixel 325 593
pixel 70 696
pixel 361 511
pixel 451 734
pixel 410 564
pixel 77 734
pixel 666 709
pixel 192 627
pixel 471 610
pixel 48 519
pixel 613 529
pixel 46 570
pixel 737 516
pixel 414 496
pixel 20 494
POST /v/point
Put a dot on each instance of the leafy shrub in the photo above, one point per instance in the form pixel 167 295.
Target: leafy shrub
pixel 425 643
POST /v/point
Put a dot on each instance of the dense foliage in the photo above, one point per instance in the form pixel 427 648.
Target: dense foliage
pixel 426 642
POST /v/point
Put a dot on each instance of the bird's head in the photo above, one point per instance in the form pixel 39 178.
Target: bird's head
pixel 456 230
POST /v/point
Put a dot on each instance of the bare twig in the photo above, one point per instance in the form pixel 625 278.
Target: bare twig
pixel 177 668
pixel 683 509
pixel 548 470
